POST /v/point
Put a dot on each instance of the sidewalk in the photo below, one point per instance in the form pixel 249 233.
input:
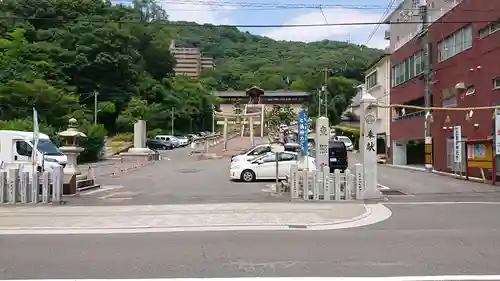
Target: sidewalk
pixel 235 146
pixel 202 217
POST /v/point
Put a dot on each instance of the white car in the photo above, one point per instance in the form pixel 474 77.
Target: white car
pixel 347 141
pixel 264 167
pixel 183 141
pixel 257 151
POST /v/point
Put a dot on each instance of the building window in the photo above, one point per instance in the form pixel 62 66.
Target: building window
pixel 415 3
pixel 407 69
pixel 371 80
pixel 491 28
pixel 496 83
pixel 455 43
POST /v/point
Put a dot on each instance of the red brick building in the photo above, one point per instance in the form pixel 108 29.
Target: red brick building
pixel 465 55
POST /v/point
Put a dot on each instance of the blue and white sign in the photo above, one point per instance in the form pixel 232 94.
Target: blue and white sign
pixel 303 131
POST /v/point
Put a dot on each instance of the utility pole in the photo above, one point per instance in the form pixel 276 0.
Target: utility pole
pixel 172 124
pixel 95 107
pixel 213 119
pixel 320 100
pixel 325 91
pixel 427 85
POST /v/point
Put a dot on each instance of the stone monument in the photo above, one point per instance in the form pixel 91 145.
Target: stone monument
pixel 139 151
pixel 73 179
pixel 369 150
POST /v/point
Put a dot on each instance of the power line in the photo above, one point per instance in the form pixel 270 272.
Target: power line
pixel 386 12
pixel 193 24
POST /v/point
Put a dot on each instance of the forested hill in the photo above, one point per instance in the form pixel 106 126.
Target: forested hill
pixel 244 59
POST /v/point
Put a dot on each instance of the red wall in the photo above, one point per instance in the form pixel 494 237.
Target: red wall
pixel 477 66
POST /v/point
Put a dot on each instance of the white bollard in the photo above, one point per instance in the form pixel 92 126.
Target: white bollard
pixel 24 187
pixel 327 191
pixel 45 187
pixel 305 184
pixel 359 181
pixel 3 186
pixel 349 178
pixel 57 184
pixel 317 182
pixel 13 185
pixel 35 187
pixel 338 181
pixel 294 189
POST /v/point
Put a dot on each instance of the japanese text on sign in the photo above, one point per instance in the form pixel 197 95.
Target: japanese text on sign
pixel 303 128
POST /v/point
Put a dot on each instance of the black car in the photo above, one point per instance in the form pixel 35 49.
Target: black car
pixel 337 152
pixel 158 144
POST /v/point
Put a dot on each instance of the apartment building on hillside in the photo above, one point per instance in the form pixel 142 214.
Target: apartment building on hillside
pixel 189 61
pixel 465 73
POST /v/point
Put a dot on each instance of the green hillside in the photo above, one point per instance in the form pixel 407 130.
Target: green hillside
pixel 244 59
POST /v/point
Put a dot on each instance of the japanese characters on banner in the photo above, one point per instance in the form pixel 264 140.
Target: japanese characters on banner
pixel 497 132
pixel 457 144
pixel 322 140
pixel 303 132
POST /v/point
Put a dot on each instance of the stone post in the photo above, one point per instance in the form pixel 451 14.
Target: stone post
pixel 322 140
pixel 224 132
pixel 262 117
pixel 250 125
pixel 369 149
pixel 139 138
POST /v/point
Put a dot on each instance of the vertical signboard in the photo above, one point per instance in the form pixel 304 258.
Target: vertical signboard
pixel 457 144
pixel 303 131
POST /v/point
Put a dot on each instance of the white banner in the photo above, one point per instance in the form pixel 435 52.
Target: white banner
pixel 457 144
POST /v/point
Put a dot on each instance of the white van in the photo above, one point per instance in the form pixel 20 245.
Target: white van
pixel 17 146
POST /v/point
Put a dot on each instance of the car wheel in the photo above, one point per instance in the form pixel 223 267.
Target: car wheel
pixel 163 147
pixel 247 176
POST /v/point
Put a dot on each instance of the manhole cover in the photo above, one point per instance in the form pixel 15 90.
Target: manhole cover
pixel 189 171
pixel 392 192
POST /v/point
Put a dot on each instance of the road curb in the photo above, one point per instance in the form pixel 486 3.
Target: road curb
pixel 374 213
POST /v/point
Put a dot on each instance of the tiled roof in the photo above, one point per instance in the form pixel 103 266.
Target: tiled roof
pixel 266 94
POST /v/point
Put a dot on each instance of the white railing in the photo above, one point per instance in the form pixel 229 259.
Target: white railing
pixel 20 186
pixel 321 185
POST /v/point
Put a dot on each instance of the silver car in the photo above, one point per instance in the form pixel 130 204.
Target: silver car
pixel 347 141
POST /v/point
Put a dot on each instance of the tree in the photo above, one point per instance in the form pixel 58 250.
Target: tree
pixel 340 92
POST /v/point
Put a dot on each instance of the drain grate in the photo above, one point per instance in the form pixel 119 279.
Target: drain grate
pixel 298 226
pixel 392 192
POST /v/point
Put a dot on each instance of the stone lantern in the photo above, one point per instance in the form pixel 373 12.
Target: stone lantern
pixel 71 149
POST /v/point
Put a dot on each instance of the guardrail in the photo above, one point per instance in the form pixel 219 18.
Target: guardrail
pixel 20 186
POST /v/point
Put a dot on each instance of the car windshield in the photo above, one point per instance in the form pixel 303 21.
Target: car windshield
pixel 47 147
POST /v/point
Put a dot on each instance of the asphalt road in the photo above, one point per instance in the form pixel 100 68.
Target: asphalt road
pixel 429 239
pixel 180 180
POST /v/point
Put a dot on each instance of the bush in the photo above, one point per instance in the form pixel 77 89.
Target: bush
pixel 154 132
pixel 124 137
pixel 93 143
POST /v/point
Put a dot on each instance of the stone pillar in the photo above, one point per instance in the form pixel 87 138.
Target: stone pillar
pixel 250 125
pixel 369 149
pixel 224 132
pixel 262 121
pixel 139 138
pixel 322 140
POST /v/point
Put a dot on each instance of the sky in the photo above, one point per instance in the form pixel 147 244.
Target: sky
pixel 248 12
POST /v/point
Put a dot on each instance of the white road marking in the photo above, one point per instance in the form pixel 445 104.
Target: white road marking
pixel 103 189
pixel 382 187
pixel 441 203
pixel 115 194
pixel 392 278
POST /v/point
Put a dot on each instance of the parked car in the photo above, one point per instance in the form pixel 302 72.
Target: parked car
pixel 159 144
pixel 347 141
pixel 253 152
pixel 183 140
pixel 172 139
pixel 264 167
pixel 337 152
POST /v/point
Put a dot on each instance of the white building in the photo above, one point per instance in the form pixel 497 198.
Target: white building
pixel 378 84
pixel 408 11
